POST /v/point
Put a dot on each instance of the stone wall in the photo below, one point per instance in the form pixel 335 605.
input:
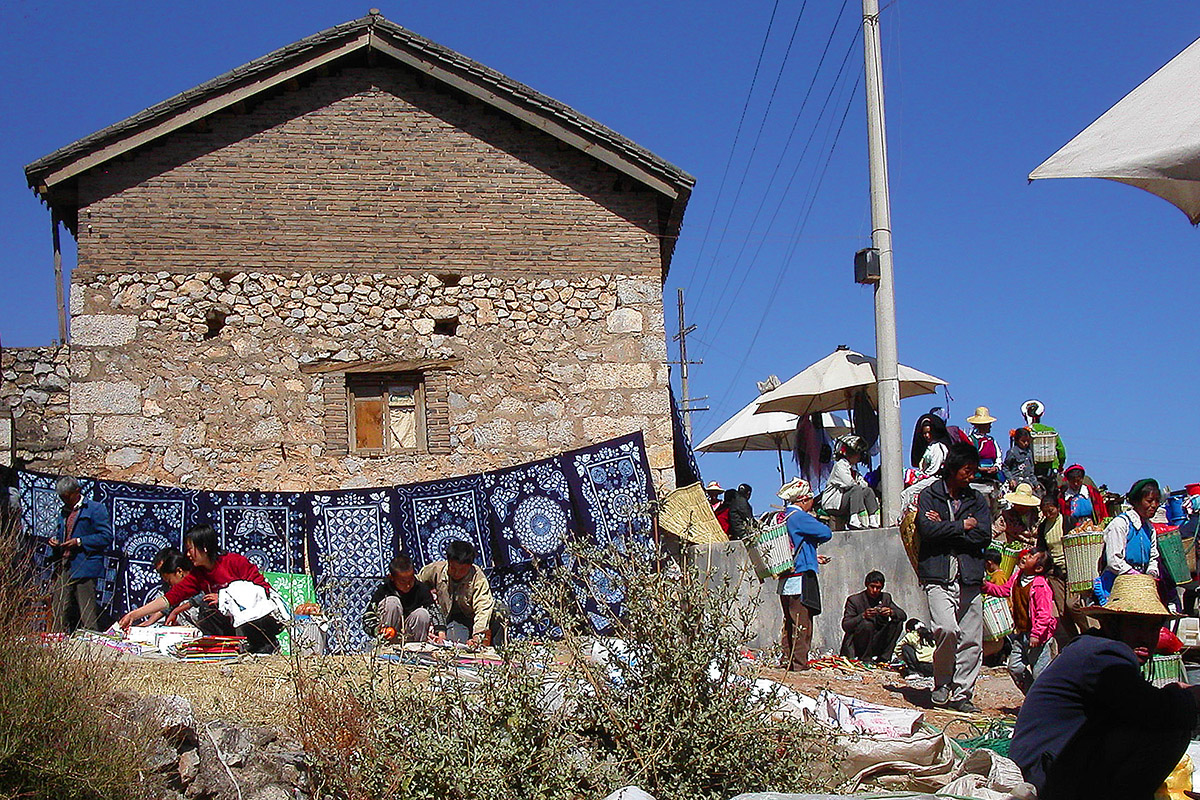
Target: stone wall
pixel 34 392
pixel 537 367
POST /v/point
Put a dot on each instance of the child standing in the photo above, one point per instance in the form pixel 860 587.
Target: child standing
pixel 1034 620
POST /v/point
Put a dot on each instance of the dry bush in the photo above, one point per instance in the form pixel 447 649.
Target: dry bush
pixel 63 734
pixel 673 710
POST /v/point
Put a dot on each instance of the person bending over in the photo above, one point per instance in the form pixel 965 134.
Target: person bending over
pixel 402 606
pixel 872 622
pixel 173 566
pixel 464 598
pixel 1092 727
pixel 223 610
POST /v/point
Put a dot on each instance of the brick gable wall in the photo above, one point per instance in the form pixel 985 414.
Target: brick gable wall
pixel 322 226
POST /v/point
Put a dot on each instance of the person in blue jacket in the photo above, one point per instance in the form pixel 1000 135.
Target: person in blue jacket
pixel 84 537
pixel 799 591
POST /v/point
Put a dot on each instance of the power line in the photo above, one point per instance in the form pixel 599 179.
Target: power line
pixel 754 147
pixel 787 188
pixel 729 161
pixel 799 232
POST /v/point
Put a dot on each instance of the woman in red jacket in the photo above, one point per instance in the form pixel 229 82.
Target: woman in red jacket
pixel 213 570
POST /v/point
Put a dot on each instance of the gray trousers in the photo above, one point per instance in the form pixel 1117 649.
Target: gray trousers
pixel 75 603
pixel 415 625
pixel 956 612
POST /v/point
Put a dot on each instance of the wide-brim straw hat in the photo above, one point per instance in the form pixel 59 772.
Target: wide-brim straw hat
pixel 713 486
pixel 1023 496
pixel 982 417
pixel 1132 593
pixel 793 490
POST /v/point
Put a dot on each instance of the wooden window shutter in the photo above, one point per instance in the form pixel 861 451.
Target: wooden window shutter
pixel 370 408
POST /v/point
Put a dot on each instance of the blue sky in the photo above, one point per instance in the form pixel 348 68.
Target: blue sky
pixel 1080 293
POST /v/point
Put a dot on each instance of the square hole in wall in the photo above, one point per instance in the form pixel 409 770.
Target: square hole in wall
pixel 446 327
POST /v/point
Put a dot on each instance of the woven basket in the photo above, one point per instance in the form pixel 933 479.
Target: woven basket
pixel 1045 446
pixel 770 550
pixel 1083 549
pixel 1162 670
pixel 686 513
pixel 1170 550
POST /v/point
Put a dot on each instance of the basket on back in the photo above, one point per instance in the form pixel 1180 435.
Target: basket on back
pixel 1083 550
pixel 687 513
pixel 1045 446
pixel 770 550
pixel 1170 550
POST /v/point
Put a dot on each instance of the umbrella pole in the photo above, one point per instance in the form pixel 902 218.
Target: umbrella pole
pixel 782 477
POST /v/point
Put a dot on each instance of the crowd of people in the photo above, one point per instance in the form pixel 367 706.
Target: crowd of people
pixel 990 523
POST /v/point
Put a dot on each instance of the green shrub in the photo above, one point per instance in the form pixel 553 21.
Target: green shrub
pixel 675 711
pixel 63 733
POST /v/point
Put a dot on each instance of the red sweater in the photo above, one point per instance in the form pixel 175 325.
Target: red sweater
pixel 230 567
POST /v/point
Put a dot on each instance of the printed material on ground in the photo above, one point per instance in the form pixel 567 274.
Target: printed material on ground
pixel 858 716
pixel 162 637
pixel 210 648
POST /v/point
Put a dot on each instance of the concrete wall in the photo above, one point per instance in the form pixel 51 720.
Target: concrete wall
pixel 852 555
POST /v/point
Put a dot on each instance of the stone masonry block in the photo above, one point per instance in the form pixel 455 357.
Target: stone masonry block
pixel 106 397
pixel 107 330
pixel 625 320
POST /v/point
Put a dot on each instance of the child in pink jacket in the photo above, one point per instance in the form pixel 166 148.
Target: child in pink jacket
pixel 1034 620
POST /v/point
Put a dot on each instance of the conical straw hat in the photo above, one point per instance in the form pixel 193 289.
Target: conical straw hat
pixel 1023 496
pixel 1132 594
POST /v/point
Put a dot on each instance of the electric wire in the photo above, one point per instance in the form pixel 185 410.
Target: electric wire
pixel 762 124
pixel 737 134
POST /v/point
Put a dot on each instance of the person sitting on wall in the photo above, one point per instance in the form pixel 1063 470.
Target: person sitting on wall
pixel 84 537
pixel 172 565
pixel 464 599
pixel 872 622
pixel 1092 727
pixel 402 606
pixel 213 572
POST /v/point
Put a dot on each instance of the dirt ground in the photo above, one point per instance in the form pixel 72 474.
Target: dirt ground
pixel 260 690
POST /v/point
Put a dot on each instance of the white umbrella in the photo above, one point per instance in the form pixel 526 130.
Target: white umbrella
pixel 776 431
pixel 746 430
pixel 1150 139
pixel 830 385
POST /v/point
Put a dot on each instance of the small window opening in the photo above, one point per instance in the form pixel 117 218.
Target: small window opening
pixel 214 318
pixel 446 327
pixel 450 279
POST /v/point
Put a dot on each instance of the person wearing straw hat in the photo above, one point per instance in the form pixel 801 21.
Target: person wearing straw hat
pixel 1018 522
pixel 1092 727
pixel 1033 410
pixel 1130 542
pixel 989 452
pixel 717 501
pixel 954 525
pixel 799 591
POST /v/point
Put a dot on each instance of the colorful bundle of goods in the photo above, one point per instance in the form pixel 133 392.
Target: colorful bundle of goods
pixel 210 648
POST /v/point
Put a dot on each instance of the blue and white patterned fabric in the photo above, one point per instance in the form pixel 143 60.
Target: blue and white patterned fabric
pixel 520 520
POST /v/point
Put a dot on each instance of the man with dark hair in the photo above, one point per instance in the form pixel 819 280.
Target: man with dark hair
pixel 954 524
pixel 464 598
pixel 402 606
pixel 872 622
pixel 1092 727
pixel 741 515
pixel 84 537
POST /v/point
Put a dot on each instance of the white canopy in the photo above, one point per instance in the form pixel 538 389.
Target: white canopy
pixel 746 430
pixel 830 384
pixel 1150 139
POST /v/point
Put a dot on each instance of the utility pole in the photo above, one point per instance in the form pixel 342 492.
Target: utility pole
pixel 887 363
pixel 685 402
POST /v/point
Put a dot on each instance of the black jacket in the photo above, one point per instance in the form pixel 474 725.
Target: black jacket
pixel 418 597
pixel 741 517
pixel 941 541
